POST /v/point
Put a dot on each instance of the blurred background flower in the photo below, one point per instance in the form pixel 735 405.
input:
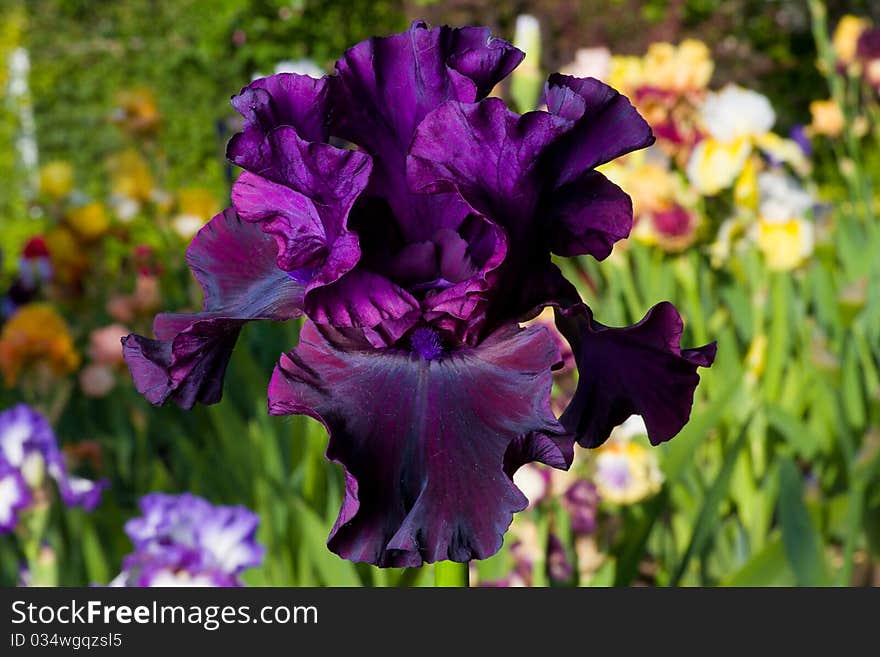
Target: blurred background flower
pixel 755 212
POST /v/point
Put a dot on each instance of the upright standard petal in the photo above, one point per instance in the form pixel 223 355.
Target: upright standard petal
pixel 286 99
pixel 493 158
pixel 235 264
pixel 635 370
pixel 605 125
pixel 302 197
pixel 425 479
pixel 386 86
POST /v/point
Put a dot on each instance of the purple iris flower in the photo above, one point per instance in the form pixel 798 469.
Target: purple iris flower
pixel 183 540
pixel 14 496
pixel 412 220
pixel 581 500
pixel 28 449
pixel 559 567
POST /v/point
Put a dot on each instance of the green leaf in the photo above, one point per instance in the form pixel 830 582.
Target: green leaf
pixel 851 389
pixel 333 570
pixel 768 567
pixel 678 453
pixel 93 554
pixel 803 544
pixel 708 516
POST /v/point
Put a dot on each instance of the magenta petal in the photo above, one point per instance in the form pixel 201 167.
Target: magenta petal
pixel 235 264
pixel 288 216
pixel 635 370
pixel 606 125
pixel 286 99
pixel 186 369
pixel 423 442
pixel 365 300
pixel 302 197
pixel 588 216
pixel 461 308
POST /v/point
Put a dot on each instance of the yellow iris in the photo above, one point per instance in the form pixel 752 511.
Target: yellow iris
pixel 828 118
pixel 681 68
pixel 56 179
pixel 130 176
pixel 846 37
pixel 89 221
pixel 785 244
pixel 714 165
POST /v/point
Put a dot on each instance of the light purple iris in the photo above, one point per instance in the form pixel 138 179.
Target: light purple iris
pixel 14 496
pixel 184 540
pixel 412 220
pixel 28 449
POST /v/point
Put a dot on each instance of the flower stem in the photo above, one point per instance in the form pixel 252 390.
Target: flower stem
pixel 451 574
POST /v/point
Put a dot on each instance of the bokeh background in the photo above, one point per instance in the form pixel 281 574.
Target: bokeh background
pixel 113 127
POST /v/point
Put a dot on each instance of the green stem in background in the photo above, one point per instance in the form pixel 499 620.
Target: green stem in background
pixel 779 339
pixel 838 87
pixel 853 532
pixel 451 574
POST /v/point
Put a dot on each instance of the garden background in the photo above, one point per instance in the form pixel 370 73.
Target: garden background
pixel 113 127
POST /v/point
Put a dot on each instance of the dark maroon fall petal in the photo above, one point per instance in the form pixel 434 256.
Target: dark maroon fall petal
pixel 634 370
pixel 235 264
pixel 423 440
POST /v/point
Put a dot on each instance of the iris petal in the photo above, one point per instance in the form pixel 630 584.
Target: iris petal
pixel 362 299
pixel 286 99
pixel 635 370
pixel 588 216
pixel 235 264
pixel 423 442
pixel 302 197
pixel 386 86
pixel 605 125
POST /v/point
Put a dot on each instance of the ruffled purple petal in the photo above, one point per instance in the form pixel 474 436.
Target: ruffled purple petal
pixel 306 209
pixel 606 125
pixel 423 442
pixel 286 99
pixel 466 147
pixel 588 216
pixel 448 260
pixel 77 491
pixel 548 193
pixel 189 533
pixel 489 154
pixel 187 368
pixel 235 264
pixel 386 86
pixel 639 369
pixel 365 300
pixel 555 450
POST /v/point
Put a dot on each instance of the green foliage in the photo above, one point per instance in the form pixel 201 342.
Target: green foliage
pixel 773 482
